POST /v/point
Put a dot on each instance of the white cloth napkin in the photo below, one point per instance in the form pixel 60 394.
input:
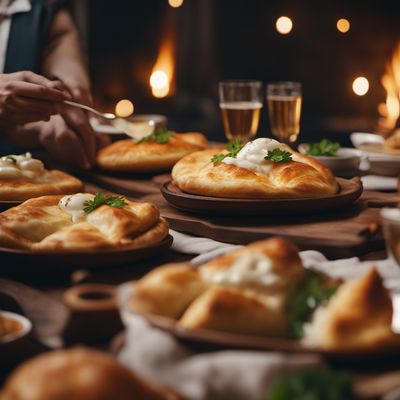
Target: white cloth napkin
pixel 234 375
pixel 375 182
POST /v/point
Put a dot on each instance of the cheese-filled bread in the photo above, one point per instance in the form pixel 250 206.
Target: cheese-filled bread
pixel 248 284
pixel 262 169
pixel 79 374
pixel 357 317
pixel 23 177
pixel 150 155
pixel 81 221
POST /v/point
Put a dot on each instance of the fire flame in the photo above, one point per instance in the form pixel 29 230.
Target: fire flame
pixel 161 79
pixel 390 110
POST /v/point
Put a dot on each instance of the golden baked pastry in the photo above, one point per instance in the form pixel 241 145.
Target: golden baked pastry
pixel 149 156
pixel 23 177
pixel 250 175
pixel 262 289
pixel 79 374
pixel 357 317
pixel 59 223
pixel 244 291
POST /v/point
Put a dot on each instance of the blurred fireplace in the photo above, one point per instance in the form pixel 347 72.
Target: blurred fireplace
pixel 227 39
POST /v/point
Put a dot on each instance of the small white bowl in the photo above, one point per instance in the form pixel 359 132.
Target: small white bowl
pixel 346 163
pixel 26 327
pixel 362 138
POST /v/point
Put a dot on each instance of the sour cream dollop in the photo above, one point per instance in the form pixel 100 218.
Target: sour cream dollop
pixel 252 155
pixel 21 166
pixel 250 269
pixel 74 205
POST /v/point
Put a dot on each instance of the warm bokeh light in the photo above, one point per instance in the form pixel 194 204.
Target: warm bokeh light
pixel 343 25
pixel 284 25
pixel 360 86
pixel 390 110
pixel 124 108
pixel 175 3
pixel 159 83
pixel 162 74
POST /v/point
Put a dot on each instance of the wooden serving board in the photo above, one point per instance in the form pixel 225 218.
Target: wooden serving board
pixel 338 234
pixel 129 184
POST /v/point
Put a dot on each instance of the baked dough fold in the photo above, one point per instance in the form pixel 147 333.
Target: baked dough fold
pixel 40 224
pixel 128 156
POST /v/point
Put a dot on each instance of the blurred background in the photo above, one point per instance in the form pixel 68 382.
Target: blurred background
pixel 167 56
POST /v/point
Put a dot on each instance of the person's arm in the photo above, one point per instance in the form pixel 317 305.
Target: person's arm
pixel 64 58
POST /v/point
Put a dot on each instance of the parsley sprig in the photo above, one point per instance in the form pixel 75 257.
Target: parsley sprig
pixel 278 156
pixel 323 148
pixel 315 383
pixel 100 199
pixel 160 135
pixel 233 147
pixel 314 290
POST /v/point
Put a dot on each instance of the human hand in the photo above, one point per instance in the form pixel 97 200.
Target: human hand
pixel 27 97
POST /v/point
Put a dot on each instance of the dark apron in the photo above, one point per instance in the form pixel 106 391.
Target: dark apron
pixel 25 46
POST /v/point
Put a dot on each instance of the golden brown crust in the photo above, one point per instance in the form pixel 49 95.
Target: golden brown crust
pixel 167 290
pixel 236 311
pixel 39 224
pixel 56 182
pixel 357 317
pixel 80 374
pixel 305 178
pixel 284 256
pixel 126 155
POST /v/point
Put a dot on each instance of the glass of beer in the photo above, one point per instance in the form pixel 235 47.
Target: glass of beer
pixel 240 103
pixel 284 108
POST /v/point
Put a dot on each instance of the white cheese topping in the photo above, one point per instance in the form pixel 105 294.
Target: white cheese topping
pixel 21 166
pixel 74 205
pixel 252 155
pixel 252 268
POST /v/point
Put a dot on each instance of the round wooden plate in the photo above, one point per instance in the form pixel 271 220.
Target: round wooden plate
pixel 209 340
pixel 16 260
pixel 349 191
pixel 5 205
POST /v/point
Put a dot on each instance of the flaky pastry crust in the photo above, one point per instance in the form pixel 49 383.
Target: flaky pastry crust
pixel 79 374
pixel 306 178
pixel 39 224
pixel 128 156
pixel 54 182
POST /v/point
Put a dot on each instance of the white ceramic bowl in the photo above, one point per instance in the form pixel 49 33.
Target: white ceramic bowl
pixel 26 327
pixel 346 163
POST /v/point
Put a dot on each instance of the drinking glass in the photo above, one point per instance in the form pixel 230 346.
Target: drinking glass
pixel 284 107
pixel 240 103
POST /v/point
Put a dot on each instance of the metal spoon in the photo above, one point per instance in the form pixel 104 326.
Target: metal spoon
pixel 107 116
pixel 134 130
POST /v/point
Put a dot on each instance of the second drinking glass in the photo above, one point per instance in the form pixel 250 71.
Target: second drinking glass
pixel 284 108
pixel 240 103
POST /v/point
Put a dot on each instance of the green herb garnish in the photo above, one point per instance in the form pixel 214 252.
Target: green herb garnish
pixel 160 135
pixel 318 383
pixel 233 147
pixel 278 156
pixel 314 290
pixel 324 148
pixel 100 199
pixel 11 159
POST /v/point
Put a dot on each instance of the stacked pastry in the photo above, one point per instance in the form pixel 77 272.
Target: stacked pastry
pixel 23 177
pixel 82 221
pixel 263 169
pixel 157 152
pixel 262 289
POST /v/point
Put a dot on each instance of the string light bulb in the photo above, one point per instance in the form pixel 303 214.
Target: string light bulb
pixel 124 108
pixel 343 25
pixel 360 86
pixel 284 25
pixel 175 3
